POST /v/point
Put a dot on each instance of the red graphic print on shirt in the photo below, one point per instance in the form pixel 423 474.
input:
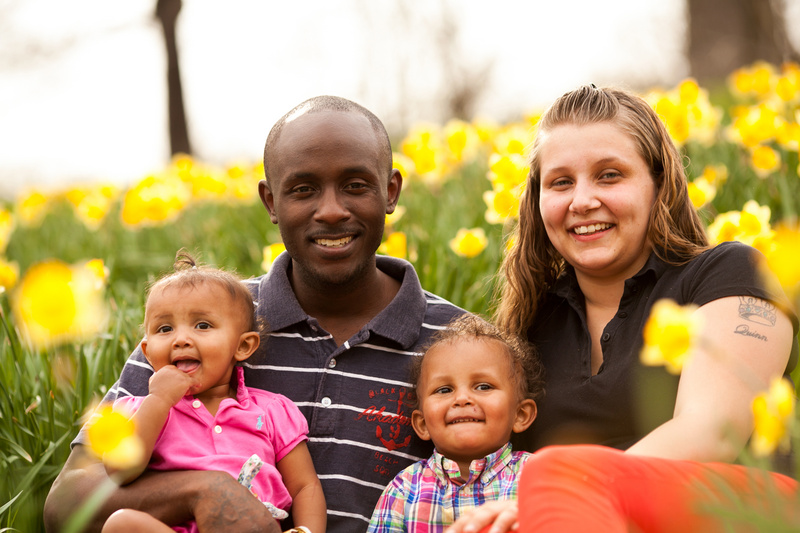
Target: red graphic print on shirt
pixel 393 427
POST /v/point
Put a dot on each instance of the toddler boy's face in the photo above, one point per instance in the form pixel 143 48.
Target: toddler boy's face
pixel 469 402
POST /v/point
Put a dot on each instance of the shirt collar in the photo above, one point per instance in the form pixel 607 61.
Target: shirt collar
pixel 567 283
pixel 399 321
pixel 486 468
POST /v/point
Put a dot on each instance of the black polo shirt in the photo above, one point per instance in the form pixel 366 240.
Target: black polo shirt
pixel 626 400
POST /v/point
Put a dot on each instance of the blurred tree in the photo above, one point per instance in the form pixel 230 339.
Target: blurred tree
pixel 167 13
pixel 727 34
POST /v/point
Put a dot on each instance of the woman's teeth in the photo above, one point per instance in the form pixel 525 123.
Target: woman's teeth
pixel 591 228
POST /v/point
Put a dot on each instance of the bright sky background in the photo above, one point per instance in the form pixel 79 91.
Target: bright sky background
pixel 94 107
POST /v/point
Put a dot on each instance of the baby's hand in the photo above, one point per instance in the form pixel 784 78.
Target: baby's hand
pixel 170 384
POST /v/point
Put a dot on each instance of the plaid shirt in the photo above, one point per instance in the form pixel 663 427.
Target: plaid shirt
pixel 430 494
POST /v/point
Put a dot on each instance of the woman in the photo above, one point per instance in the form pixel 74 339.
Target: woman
pixel 606 229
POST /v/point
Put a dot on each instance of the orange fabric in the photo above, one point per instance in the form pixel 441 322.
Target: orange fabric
pixel 584 488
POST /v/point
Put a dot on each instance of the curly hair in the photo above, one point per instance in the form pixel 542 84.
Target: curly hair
pixel 527 371
pixel 674 229
pixel 187 272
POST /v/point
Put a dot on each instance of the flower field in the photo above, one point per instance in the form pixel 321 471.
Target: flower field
pixel 74 262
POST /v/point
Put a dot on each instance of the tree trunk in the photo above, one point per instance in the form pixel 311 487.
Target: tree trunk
pixel 167 13
pixel 727 34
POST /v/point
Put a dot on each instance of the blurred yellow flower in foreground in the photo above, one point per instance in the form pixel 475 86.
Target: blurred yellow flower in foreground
pixel 395 245
pixel 56 303
pixel 669 335
pixel 111 436
pixel 271 253
pixel 687 112
pixel 469 242
pixel 9 273
pixel 773 415
pixel 783 258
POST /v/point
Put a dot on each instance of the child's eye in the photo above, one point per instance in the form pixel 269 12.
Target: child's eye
pixel 442 390
pixel 484 386
pixel 164 329
pixel 203 325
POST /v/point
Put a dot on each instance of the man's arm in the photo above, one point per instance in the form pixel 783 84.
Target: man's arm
pixel 215 500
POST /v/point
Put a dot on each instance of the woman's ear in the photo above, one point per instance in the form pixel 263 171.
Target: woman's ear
pixel 526 414
pixel 418 423
pixel 248 343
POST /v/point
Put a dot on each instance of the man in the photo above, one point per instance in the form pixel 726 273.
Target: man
pixel 344 326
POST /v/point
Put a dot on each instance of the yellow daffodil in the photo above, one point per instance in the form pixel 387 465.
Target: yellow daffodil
pixel 98 268
pixel 765 160
pixel 514 139
pixel 507 171
pixel 271 253
pixel 405 165
pixel 501 205
pixel 462 141
pixel 687 113
pixel 395 245
pixel 9 274
pixel 788 134
pixel 469 242
pixel 750 225
pixel 701 192
pixel 56 303
pixel 773 416
pixel 111 436
pixel 393 218
pixel 92 204
pixel 715 175
pixel 424 146
pixel 6 228
pixel 670 334
pixel 154 200
pixel 32 207
pixel 754 126
pixel 754 80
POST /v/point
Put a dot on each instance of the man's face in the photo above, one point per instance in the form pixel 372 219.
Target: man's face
pixel 329 193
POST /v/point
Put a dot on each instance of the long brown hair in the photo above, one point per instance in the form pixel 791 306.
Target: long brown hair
pixel 677 234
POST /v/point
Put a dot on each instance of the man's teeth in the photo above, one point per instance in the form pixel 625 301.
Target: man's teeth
pixel 591 228
pixel 334 243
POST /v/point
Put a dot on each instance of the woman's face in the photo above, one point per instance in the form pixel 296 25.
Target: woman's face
pixel 596 194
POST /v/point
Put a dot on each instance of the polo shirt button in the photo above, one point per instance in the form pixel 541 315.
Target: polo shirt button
pixel 623 314
pixel 606 336
pixel 332 363
pixel 326 402
pixel 217 429
pixel 196 404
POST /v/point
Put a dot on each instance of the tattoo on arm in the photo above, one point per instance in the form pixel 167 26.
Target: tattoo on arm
pixel 757 310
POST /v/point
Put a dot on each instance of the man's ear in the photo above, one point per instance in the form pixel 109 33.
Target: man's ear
pixel 394 187
pixel 526 414
pixel 248 343
pixel 265 193
pixel 418 423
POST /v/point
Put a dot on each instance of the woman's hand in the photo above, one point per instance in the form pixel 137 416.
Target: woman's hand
pixel 492 517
